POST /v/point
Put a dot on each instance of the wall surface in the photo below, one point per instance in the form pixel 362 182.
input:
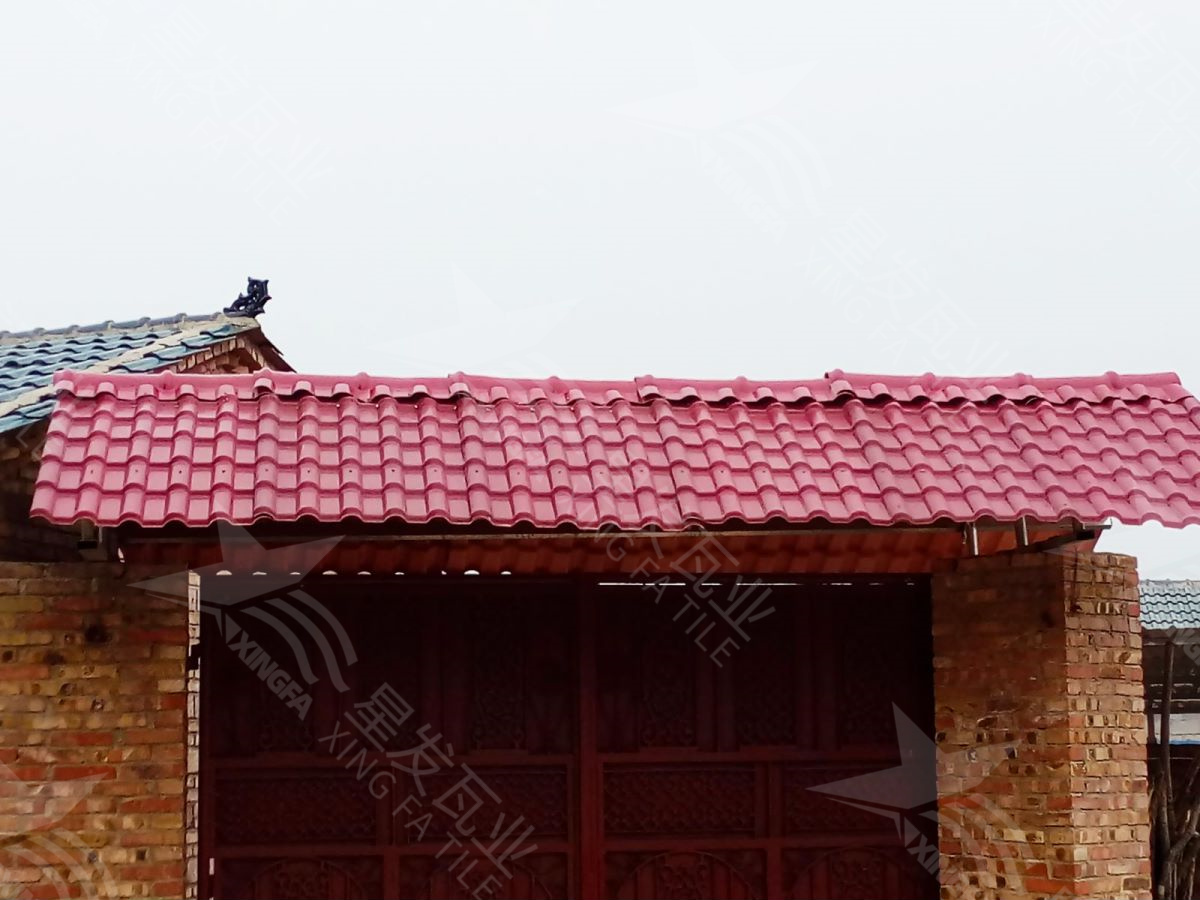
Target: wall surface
pixel 93 696
pixel 1041 727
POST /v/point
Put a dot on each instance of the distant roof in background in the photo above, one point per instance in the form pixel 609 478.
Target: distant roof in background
pixel 646 453
pixel 1170 604
pixel 29 359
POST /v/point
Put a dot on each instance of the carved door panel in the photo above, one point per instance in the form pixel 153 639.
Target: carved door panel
pixel 319 805
pixel 644 761
pixel 708 760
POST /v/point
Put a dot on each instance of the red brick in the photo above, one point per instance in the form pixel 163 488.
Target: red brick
pixel 150 805
pixel 82 603
pixel 82 739
pixel 68 773
pixel 23 673
pixel 157 635
pixel 53 621
pixel 153 735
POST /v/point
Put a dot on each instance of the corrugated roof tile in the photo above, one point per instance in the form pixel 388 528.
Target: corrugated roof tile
pixel 651 452
pixel 1170 604
pixel 29 360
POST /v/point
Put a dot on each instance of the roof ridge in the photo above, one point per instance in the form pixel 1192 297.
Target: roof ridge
pixel 1015 377
pixel 128 325
pixel 834 388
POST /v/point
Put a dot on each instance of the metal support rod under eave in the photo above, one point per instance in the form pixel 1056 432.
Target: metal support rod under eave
pixel 1022 529
pixel 971 536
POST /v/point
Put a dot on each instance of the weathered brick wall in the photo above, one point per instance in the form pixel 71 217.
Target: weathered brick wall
pixel 237 355
pixel 92 686
pixel 1041 652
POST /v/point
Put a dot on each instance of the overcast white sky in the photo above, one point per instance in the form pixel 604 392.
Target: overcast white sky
pixel 599 189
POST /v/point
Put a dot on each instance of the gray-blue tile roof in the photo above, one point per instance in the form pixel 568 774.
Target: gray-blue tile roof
pixel 29 360
pixel 1170 605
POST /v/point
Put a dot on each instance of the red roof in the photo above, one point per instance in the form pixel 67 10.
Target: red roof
pixel 154 449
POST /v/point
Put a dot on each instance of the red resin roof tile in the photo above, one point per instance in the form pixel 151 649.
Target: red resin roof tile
pixel 651 452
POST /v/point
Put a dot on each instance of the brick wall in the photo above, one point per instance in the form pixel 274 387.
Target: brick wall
pixel 92 686
pixel 235 355
pixel 1042 653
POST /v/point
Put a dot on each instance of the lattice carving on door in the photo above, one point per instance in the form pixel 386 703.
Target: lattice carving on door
pixel 664 800
pixel 303 879
pixel 765 682
pixel 539 796
pixel 295 810
pixel 686 875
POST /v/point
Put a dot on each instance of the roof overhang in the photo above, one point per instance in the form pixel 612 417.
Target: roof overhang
pixel 814 549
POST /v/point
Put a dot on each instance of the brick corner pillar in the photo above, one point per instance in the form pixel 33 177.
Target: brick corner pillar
pixel 1041 727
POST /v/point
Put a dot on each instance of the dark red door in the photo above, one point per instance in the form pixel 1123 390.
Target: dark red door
pixel 602 720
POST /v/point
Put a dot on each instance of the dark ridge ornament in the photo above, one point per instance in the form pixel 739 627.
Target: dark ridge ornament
pixel 252 302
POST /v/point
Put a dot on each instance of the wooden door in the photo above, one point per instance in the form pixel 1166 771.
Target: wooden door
pixel 705 770
pixel 596 716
